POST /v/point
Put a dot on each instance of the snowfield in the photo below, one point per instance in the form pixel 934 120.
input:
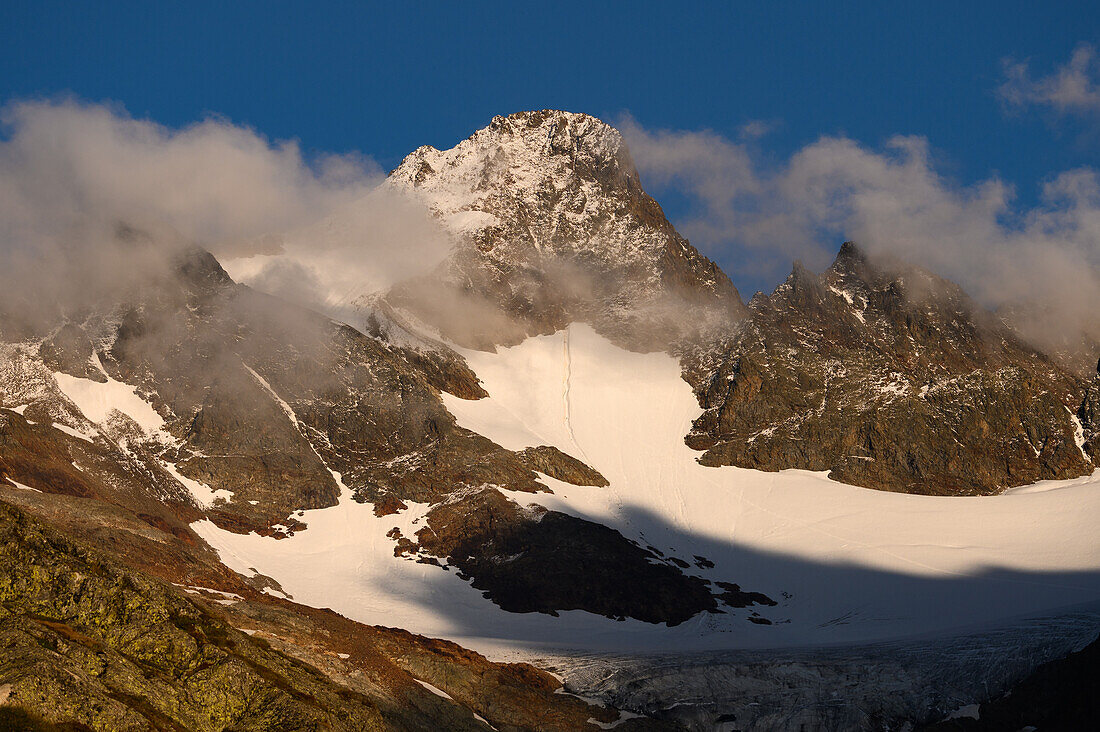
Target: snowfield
pixel 97 400
pixel 846 564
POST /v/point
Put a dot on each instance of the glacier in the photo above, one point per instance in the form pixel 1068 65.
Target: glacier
pixel 851 564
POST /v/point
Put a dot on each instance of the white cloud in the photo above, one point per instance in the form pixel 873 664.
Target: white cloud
pixel 322 232
pixel 362 246
pixel 892 200
pixel 70 173
pixel 1072 89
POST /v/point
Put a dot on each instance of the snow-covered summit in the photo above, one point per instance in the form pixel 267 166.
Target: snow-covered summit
pixel 552 223
pixel 545 180
pixel 525 156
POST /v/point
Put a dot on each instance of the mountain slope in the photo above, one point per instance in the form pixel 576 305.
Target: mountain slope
pixel 223 404
pixel 883 374
pixel 86 641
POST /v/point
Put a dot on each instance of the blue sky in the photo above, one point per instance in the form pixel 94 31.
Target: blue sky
pixel 385 79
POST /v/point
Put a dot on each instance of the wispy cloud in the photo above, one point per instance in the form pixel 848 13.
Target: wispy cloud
pixel 893 200
pixel 1072 88
pixel 757 128
pixel 71 173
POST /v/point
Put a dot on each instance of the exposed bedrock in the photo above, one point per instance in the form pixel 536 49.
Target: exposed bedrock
pixel 535 560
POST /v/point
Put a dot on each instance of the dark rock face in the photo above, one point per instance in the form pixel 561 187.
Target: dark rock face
pixel 69 351
pixel 547 561
pixel 890 378
pixel 534 560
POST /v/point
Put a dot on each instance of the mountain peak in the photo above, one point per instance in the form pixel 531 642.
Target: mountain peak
pixel 850 257
pixel 555 121
pixel 542 183
pixel 550 218
pixel 527 153
pixel 799 274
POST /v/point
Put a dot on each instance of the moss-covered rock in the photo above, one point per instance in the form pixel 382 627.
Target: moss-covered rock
pixel 83 641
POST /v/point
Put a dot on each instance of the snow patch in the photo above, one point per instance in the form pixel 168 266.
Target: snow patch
pixel 483 720
pixel 86 436
pixel 278 399
pixel 896 385
pixel 434 689
pixel 848 298
pixel 226 598
pixel 623 716
pixel 98 400
pixel 1078 434
pixel 203 494
pixel 657 487
pixel 846 295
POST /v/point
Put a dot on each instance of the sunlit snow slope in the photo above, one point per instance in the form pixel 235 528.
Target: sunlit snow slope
pixel 847 564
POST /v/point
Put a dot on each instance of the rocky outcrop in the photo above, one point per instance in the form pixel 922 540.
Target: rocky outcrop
pixel 69 351
pixel 555 463
pixel 85 642
pixel 535 560
pixel 888 377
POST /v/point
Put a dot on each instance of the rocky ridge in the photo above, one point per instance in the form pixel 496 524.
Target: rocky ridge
pixel 876 371
pixel 887 377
